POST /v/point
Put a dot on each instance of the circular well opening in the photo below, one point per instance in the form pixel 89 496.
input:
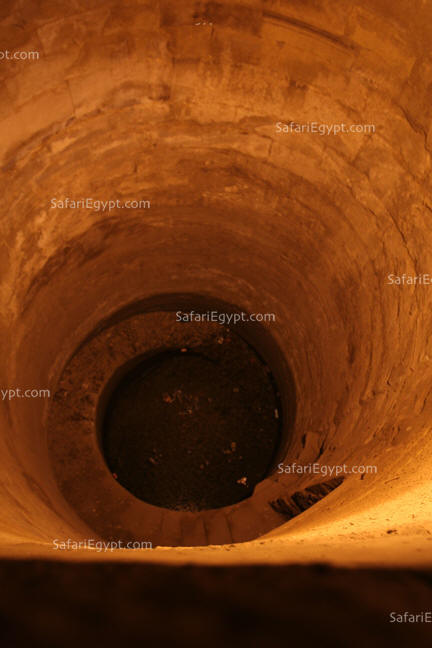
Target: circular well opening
pixel 193 429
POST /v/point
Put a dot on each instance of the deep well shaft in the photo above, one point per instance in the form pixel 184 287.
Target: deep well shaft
pixel 269 158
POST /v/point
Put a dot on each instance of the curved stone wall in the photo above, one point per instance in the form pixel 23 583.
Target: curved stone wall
pixel 142 101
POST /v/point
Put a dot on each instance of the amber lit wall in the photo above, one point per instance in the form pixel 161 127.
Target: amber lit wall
pixel 136 101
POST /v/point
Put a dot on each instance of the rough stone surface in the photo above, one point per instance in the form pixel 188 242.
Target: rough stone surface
pixel 132 100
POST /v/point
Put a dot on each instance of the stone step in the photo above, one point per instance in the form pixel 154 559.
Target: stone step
pixel 218 528
pixel 193 530
pixel 171 531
